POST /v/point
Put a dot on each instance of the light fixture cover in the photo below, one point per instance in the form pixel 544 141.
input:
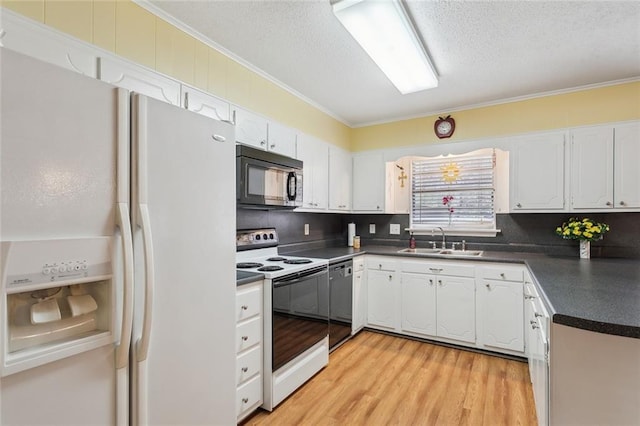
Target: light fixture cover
pixel 384 31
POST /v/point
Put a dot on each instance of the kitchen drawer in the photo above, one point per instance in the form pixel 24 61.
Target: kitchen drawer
pixel 249 396
pixel 248 334
pixel 503 274
pixel 445 268
pixel 381 264
pixel 248 302
pixel 248 365
pixel 358 264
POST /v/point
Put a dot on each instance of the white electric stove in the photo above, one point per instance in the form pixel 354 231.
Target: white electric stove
pixel 296 312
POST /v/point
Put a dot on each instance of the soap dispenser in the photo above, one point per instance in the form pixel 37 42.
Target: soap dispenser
pixel 412 241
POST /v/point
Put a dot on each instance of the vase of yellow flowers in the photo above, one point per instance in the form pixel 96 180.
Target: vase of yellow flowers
pixel 585 230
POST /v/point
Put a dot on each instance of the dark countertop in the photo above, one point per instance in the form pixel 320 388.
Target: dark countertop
pixel 601 295
pixel 244 277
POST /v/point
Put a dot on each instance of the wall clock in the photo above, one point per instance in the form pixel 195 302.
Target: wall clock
pixel 444 127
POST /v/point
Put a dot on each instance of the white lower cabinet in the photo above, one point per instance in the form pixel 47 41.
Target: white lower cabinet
pixel 359 308
pixel 501 307
pixel 248 348
pixel 463 302
pixel 438 305
pixel 382 288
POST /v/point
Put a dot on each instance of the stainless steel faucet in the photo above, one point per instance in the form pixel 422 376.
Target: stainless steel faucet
pixel 444 240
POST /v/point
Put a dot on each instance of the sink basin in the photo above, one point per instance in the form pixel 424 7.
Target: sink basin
pixel 420 251
pixel 441 252
pixel 465 253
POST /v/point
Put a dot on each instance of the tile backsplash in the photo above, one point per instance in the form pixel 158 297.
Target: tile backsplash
pixel 520 232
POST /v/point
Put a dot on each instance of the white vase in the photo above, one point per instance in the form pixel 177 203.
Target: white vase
pixel 585 249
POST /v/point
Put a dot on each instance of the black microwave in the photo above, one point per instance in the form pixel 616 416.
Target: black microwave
pixel 267 180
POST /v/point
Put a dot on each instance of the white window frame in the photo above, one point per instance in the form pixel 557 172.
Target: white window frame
pixel 487 229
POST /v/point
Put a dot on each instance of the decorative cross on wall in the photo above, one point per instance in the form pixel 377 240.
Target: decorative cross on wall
pixel 402 178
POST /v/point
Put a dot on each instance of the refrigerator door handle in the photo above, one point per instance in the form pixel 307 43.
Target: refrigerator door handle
pixel 122 351
pixel 142 345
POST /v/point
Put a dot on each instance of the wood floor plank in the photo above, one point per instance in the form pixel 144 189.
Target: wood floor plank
pixel 377 379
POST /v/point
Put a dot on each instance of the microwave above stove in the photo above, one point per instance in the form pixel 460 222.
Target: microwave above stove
pixel 265 180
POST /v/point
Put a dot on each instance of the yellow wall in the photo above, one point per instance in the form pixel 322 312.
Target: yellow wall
pixel 606 104
pixel 130 31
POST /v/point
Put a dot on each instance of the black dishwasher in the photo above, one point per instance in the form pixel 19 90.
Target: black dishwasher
pixel 340 302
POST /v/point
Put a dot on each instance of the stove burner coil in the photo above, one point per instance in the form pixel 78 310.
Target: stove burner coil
pixel 270 268
pixel 297 261
pixel 248 265
pixel 276 259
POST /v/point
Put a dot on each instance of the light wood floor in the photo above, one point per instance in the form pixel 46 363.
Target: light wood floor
pixel 376 379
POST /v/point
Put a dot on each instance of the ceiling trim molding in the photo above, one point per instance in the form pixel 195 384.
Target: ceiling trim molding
pixel 501 101
pixel 150 7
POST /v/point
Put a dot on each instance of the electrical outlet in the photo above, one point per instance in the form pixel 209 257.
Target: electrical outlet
pixel 372 228
pixel 306 229
pixel 394 229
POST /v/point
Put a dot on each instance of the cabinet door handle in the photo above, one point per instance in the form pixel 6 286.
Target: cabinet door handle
pixel 430 282
pixel 245 400
pixel 518 205
pixel 390 277
pixel 609 203
pixel 488 286
pixel 538 315
pixel 245 369
pixel 622 203
pixel 502 275
pixel 263 142
pixel 534 326
pixel 440 283
pixel 272 146
pixel 529 297
pixel 244 307
pixel 245 338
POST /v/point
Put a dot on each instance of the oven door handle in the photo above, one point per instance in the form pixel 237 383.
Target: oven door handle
pixel 297 280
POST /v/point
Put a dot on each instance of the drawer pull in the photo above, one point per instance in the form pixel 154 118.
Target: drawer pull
pixel 435 269
pixel 502 275
pixel 488 286
pixel 538 315
pixel 245 338
pixel 244 307
pixel 245 369
pixel 245 400
pixel 529 297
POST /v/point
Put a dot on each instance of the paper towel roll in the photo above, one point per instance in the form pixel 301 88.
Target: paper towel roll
pixel 351 232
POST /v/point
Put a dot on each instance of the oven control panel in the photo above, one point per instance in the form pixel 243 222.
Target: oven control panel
pixel 256 238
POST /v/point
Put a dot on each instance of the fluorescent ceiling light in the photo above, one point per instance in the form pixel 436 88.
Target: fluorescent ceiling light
pixel 384 31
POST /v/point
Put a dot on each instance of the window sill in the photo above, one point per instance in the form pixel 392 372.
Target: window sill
pixel 456 232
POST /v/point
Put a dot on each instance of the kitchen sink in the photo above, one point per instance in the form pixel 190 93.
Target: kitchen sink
pixel 420 251
pixel 442 252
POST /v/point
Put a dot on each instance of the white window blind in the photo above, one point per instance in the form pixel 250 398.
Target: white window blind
pixel 454 192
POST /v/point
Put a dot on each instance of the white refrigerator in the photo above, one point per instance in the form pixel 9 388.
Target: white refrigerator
pixel 117 229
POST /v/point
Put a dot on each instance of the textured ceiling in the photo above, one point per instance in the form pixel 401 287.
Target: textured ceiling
pixel 484 51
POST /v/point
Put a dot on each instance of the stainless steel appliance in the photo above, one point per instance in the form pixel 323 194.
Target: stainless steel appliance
pixel 340 302
pixel 296 312
pixel 267 180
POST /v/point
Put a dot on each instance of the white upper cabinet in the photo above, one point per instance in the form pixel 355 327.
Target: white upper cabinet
pixel 339 179
pixel 369 172
pixel 44 43
pixel 604 167
pixel 138 79
pixel 205 104
pixel 259 132
pixel 626 178
pixel 281 139
pixel 251 129
pixel 537 173
pixel 592 168
pixel 314 154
